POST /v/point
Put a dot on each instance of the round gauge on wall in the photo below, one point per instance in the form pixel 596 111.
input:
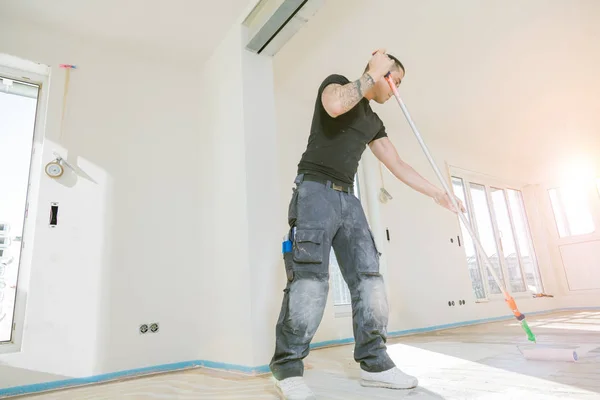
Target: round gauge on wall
pixel 54 169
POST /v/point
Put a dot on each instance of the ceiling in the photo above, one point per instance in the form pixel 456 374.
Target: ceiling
pixel 506 88
pixel 174 26
pixel 496 81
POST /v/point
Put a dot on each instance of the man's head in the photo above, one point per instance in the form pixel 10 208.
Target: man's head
pixel 381 92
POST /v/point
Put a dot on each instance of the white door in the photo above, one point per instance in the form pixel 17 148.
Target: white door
pixel 573 212
pixel 18 105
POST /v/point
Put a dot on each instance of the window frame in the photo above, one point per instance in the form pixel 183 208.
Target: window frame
pixel 563 212
pixel 489 182
pixel 22 70
pixel 473 222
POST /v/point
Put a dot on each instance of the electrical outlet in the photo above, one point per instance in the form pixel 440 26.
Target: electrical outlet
pixel 451 303
pixel 149 328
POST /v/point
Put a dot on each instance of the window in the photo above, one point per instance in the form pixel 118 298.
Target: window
pixel 507 240
pixel 498 218
pixel 525 250
pixel 341 293
pixel 472 260
pixel 22 106
pixel 571 211
pixel 486 232
pixel 18 106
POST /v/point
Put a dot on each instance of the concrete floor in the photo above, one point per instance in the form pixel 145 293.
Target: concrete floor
pixel 477 362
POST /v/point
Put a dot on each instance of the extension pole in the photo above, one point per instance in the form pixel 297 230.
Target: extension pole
pixel 507 297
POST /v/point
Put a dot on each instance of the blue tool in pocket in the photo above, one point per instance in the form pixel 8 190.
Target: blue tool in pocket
pixel 288 240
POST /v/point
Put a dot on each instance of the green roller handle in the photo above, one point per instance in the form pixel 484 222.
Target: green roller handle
pixel 530 335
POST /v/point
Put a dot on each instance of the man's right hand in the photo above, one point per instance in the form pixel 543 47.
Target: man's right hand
pixel 379 65
pixel 338 99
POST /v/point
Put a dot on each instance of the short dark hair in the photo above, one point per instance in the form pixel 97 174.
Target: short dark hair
pixel 396 61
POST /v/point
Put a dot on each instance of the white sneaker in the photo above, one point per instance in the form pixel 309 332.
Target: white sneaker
pixel 390 379
pixel 294 388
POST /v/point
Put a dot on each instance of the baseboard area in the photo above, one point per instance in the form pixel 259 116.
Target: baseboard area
pixel 263 369
pixel 434 328
pixel 132 373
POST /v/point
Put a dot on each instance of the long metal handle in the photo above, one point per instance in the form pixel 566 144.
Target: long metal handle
pixel 507 297
pixel 445 185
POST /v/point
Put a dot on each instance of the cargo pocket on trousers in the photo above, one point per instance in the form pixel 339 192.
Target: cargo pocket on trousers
pixel 308 246
pixel 289 266
pixel 377 252
pixel 372 265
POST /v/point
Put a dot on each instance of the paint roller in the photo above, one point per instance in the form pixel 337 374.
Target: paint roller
pixel 549 353
pixel 537 352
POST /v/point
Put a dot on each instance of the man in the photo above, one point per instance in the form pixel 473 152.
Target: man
pixel 324 213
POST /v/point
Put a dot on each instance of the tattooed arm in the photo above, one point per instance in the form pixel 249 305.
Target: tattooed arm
pixel 338 99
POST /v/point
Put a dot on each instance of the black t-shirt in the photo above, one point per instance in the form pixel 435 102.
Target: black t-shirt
pixel 335 145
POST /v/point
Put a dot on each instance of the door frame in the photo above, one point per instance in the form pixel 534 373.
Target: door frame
pixel 489 181
pixel 25 71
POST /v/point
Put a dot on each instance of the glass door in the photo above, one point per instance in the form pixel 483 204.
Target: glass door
pixel 508 246
pixel 487 235
pixel 18 106
pixel 497 215
pixel 473 262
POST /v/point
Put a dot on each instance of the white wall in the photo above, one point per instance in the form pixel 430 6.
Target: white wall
pixel 239 115
pixel 129 247
pixel 179 226
pixel 226 275
pixel 503 100
pixel 265 225
pixel 184 224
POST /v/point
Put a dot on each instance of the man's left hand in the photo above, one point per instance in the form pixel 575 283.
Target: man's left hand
pixel 443 200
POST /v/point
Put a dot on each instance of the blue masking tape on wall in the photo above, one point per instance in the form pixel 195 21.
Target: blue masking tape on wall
pixel 138 372
pixel 447 326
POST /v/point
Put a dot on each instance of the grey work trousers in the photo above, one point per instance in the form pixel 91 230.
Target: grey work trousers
pixel 326 218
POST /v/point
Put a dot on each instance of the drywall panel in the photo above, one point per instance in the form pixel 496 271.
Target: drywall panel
pixel 225 308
